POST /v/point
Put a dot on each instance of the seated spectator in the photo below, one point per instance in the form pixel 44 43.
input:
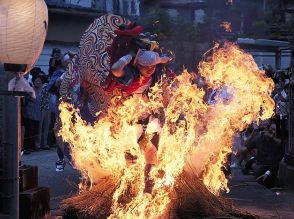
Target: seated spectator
pixel 282 108
pixel 270 151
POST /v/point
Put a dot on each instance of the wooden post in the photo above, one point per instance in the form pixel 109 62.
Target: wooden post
pixel 9 148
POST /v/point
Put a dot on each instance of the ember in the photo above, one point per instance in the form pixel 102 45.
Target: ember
pixel 194 133
pixel 227 26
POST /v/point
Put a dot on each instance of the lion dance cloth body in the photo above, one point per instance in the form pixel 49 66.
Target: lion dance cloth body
pixel 95 61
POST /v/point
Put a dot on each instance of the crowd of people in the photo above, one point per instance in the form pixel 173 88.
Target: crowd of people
pixel 39 110
pixel 263 145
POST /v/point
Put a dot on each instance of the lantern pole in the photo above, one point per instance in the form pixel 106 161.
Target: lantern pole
pixel 18 54
pixel 10 148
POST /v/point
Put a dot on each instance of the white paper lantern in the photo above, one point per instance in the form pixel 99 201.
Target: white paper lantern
pixel 23 29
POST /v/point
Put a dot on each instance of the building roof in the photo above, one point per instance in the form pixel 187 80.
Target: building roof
pixel 262 44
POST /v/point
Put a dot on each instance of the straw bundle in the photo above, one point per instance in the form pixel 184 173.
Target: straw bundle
pixel 94 203
pixel 191 199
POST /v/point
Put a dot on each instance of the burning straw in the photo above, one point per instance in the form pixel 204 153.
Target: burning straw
pixel 191 199
pixel 194 133
pixel 94 203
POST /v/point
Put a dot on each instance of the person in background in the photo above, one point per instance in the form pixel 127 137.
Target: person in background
pixel 19 83
pixel 44 123
pixel 53 108
pixel 282 108
pixel 55 60
pixel 270 151
pixel 33 114
pixel 54 88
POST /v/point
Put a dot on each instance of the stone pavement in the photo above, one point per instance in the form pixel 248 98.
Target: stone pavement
pixel 61 184
pixel 248 195
pixel 245 193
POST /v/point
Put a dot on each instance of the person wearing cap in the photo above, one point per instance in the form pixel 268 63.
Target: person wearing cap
pixel 133 76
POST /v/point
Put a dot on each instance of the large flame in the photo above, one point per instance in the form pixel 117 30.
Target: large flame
pixel 193 132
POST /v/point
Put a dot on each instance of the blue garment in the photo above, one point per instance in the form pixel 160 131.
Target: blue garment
pixel 50 87
pixel 130 75
pixel 53 106
pixel 45 100
pixel 32 109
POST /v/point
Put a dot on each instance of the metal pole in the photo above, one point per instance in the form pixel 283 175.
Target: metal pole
pixel 278 55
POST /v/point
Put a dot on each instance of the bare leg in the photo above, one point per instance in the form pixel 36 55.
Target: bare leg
pixel 59 141
pixel 149 183
pixel 150 153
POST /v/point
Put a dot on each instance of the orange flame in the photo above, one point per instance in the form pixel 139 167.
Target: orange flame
pixel 193 132
pixel 244 97
pixel 227 26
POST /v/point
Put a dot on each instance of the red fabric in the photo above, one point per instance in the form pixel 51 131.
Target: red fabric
pixel 172 74
pixel 75 75
pixel 135 85
pixel 121 45
pixel 130 32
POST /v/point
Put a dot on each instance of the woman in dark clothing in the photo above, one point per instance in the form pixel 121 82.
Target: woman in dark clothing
pixel 55 60
pixel 32 114
pixel 270 151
